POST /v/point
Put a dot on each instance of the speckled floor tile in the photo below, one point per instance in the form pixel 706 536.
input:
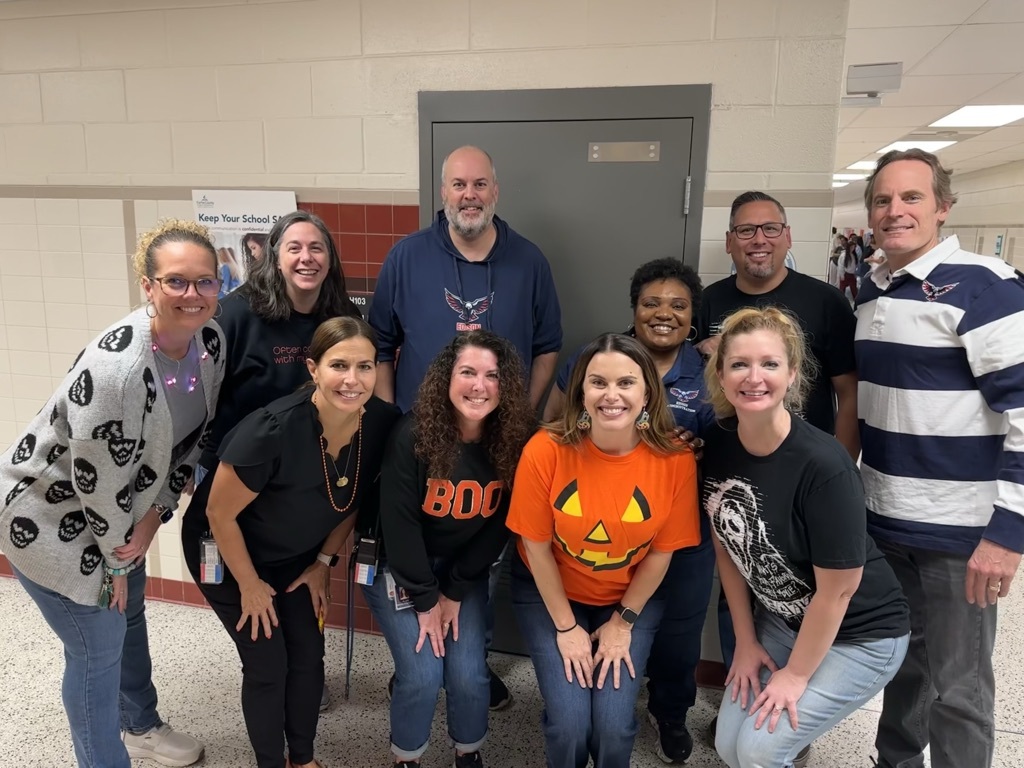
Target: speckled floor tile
pixel 196 672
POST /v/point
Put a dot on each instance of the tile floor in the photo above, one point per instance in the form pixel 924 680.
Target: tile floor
pixel 197 674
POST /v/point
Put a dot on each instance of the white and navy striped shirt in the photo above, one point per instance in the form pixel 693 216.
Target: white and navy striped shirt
pixel 940 357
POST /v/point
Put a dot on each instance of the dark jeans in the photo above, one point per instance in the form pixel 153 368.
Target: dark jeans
pixel 672 667
pixel 944 693
pixel 282 676
pixel 582 722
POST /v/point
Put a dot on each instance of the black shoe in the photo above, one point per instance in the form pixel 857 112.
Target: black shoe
pixel 391 689
pixel 800 761
pixel 674 741
pixel 500 696
pixel 468 760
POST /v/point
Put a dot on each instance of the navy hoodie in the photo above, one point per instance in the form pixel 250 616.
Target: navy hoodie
pixel 427 292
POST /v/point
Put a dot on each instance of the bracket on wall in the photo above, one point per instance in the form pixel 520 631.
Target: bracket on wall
pixel 624 152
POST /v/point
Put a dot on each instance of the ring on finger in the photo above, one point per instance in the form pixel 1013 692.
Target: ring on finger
pixel 995 587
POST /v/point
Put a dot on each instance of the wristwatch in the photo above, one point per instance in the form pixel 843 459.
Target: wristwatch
pixel 329 560
pixel 628 615
pixel 165 512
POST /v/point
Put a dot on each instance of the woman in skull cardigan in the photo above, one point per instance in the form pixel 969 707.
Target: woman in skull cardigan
pixel 96 458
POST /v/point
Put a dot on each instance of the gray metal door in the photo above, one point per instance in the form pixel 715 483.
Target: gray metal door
pixel 595 218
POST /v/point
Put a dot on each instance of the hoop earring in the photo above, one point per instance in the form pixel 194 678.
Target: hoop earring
pixel 219 312
pixel 149 305
pixel 643 421
pixel 583 422
pixel 692 335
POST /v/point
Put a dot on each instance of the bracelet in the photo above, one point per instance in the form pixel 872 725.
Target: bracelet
pixel 119 571
pixel 570 629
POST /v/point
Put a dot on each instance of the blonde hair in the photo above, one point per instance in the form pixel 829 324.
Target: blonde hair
pixel 774 320
pixel 661 436
pixel 169 231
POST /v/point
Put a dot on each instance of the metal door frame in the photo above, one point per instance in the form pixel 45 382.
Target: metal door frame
pixel 691 102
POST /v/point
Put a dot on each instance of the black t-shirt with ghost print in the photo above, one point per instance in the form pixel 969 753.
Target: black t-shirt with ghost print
pixel 779 516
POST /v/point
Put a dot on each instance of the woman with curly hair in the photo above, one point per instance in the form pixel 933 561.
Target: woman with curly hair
pixel 603 497
pixel 445 488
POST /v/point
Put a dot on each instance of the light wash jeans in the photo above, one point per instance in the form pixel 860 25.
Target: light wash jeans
pixel 93 638
pixel 137 694
pixel 419 677
pixel 847 678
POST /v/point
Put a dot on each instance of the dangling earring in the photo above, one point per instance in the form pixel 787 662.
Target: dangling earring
pixel 149 305
pixel 643 421
pixel 219 312
pixel 583 422
pixel 692 335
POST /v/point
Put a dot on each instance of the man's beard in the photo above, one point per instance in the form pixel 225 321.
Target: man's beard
pixel 469 231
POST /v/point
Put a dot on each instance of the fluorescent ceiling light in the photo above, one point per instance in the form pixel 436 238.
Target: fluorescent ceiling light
pixel 848 176
pixel 988 116
pixel 837 184
pixel 927 146
pixel 862 165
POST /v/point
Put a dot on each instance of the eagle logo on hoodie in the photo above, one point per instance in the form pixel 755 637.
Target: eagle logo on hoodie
pixel 469 311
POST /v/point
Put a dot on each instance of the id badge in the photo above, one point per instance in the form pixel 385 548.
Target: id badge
pixel 397 594
pixel 366 561
pixel 211 567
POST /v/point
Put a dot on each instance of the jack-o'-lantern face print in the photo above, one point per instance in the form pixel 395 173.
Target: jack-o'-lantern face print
pixel 598 549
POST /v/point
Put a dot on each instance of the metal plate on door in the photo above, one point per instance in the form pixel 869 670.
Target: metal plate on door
pixel 624 152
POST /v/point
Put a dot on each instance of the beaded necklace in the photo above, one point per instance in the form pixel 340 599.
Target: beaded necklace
pixel 359 457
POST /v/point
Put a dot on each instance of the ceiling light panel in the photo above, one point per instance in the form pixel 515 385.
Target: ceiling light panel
pixel 987 116
pixel 927 146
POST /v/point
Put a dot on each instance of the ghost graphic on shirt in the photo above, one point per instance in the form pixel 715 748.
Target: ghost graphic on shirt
pixel 734 506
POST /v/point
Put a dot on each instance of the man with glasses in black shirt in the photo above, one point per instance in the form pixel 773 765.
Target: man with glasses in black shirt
pixel 758 240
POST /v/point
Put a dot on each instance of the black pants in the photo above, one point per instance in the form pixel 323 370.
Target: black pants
pixel 282 676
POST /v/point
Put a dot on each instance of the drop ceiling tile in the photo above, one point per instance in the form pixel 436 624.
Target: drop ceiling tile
pixel 872 14
pixel 887 117
pixel 942 90
pixel 976 49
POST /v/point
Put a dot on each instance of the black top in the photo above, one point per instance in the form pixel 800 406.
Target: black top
pixel 825 316
pixel 780 515
pixel 265 360
pixel 460 520
pixel 278 452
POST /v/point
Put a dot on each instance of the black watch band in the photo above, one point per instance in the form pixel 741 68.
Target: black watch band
pixel 628 615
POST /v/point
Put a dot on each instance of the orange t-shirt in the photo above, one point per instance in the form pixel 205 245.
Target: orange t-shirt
pixel 602 513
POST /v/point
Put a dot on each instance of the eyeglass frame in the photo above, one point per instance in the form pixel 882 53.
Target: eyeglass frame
pixel 188 283
pixel 756 227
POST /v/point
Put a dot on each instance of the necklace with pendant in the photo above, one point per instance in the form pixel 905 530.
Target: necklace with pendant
pixel 342 481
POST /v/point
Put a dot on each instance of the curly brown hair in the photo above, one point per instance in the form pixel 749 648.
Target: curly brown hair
pixel 506 429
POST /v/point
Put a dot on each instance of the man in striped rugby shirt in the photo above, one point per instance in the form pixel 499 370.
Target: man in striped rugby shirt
pixel 940 358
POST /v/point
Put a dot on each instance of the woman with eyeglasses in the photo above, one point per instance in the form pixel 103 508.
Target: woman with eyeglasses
pixel 89 482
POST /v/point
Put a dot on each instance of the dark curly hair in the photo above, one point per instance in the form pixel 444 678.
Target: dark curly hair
pixel 267 291
pixel 506 429
pixel 666 269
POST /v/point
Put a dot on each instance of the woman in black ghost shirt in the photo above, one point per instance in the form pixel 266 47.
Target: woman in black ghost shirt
pixel 280 506
pixel 786 504
pixel 445 489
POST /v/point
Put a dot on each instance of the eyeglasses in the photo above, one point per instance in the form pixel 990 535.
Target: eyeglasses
pixel 771 230
pixel 178 286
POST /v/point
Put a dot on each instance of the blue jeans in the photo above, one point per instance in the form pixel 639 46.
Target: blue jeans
pixel 847 678
pixel 419 677
pixel 580 722
pixel 137 695
pixel 93 638
pixel 945 691
pixel 672 667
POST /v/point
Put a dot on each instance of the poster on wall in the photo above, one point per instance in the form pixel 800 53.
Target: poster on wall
pixel 239 221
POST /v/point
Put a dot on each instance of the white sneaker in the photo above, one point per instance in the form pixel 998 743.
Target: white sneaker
pixel 165 745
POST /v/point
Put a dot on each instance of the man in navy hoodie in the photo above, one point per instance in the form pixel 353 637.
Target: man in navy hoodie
pixel 468 270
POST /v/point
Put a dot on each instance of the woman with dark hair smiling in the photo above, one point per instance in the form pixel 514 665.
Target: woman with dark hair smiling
pixel 665 295
pixel 444 497
pixel 278 509
pixel 269 321
pixel 603 497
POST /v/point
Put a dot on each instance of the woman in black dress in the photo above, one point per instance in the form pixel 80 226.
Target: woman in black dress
pixel 279 509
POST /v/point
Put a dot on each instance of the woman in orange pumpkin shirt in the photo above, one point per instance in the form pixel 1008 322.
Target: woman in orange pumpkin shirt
pixel 603 496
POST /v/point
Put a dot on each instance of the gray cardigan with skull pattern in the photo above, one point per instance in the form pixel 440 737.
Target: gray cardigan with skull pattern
pixel 96 458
